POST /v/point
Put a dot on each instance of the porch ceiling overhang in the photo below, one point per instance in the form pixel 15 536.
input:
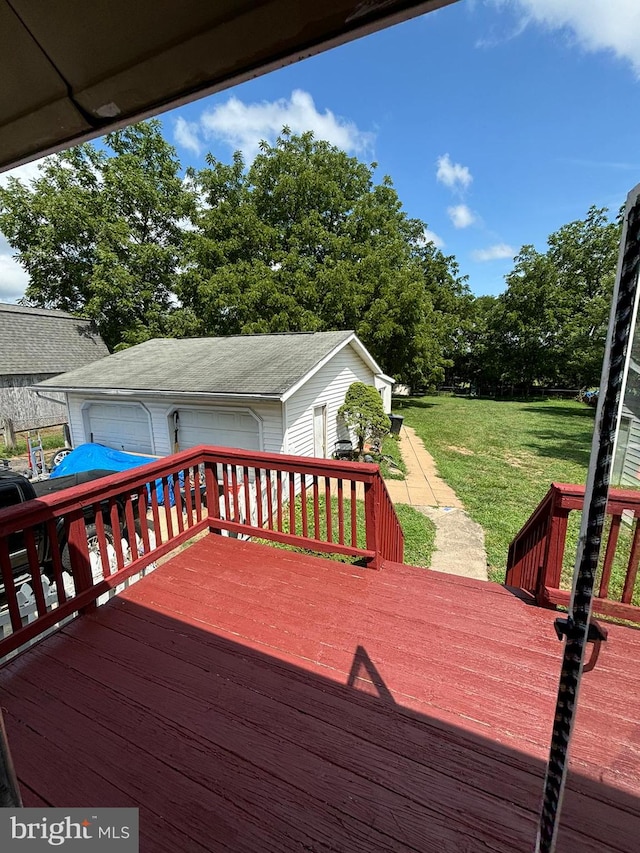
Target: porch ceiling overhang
pixel 72 70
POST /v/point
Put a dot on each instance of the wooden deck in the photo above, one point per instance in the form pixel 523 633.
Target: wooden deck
pixel 248 698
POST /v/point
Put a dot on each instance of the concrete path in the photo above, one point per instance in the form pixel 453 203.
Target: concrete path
pixel 423 486
pixel 459 545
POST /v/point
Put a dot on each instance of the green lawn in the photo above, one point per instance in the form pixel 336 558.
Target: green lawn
pixel 391 451
pixel 500 457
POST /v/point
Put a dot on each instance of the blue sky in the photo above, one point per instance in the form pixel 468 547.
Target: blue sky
pixel 497 120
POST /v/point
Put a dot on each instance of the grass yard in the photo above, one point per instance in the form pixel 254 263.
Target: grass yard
pixel 500 457
pixel 391 451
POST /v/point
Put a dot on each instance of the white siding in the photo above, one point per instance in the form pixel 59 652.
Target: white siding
pixel 630 475
pixel 160 409
pixel 385 386
pixel 328 386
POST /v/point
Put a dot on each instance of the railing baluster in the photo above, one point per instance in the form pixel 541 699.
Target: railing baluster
pixel 607 565
pixel 56 561
pixel 177 497
pixel 340 513
pixel 212 485
pixel 354 516
pixel 155 513
pixel 188 500
pixel 117 532
pixel 632 566
pixel 102 539
pixel 225 487
pixel 303 504
pixel 234 496
pixel 259 495
pixel 34 568
pixel 9 584
pixel 166 495
pixel 316 507
pixel 269 487
pixel 328 513
pixel 143 509
pixel 292 503
pixel 131 527
pixel 196 492
pixel 246 485
pixel 279 499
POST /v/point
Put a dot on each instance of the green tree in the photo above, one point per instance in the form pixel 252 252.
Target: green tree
pixel 363 413
pixel 99 233
pixel 303 240
pixel 549 327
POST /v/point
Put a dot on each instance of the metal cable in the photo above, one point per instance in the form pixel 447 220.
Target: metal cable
pixel 580 608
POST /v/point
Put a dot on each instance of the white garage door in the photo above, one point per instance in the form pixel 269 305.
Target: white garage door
pixel 123 426
pixel 216 427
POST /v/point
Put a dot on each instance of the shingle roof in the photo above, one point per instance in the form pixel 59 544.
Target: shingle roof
pixel 244 364
pixel 37 340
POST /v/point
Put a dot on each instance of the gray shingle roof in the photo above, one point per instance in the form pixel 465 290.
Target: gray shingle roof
pixel 36 340
pixel 243 364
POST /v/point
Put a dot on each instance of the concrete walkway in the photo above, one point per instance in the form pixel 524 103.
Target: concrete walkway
pixel 459 544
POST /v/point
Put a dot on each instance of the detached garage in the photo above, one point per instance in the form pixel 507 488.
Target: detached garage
pixel 278 393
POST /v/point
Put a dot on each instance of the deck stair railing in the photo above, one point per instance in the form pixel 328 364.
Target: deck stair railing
pixel 536 554
pixel 115 528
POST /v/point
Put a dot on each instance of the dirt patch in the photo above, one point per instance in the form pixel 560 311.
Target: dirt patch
pixel 463 451
pixel 522 460
pixel 514 461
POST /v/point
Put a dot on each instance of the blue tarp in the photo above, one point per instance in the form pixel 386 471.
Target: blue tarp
pixel 89 457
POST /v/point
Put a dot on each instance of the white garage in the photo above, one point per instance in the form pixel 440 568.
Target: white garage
pixel 123 426
pixel 223 428
pixel 277 393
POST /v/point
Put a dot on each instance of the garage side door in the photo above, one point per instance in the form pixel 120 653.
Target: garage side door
pixel 224 429
pixel 123 426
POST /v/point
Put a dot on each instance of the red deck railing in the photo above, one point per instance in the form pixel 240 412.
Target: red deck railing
pixel 138 516
pixel 536 554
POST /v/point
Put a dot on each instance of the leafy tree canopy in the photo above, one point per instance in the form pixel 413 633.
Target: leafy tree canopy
pixel 549 326
pixel 303 240
pixel 98 232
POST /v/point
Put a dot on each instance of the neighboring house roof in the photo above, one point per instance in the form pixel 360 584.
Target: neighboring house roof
pixel 247 365
pixel 37 340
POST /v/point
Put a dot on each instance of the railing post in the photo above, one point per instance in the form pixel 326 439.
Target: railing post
pixel 551 569
pixel 372 521
pixel 79 556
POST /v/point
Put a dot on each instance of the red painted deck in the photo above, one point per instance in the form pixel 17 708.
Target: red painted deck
pixel 252 699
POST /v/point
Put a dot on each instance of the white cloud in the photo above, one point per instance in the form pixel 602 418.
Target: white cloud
pixel 13 279
pixel 431 237
pixel 187 135
pixel 243 126
pixel 453 175
pixel 612 25
pixel 494 253
pixel 461 216
pixel 25 173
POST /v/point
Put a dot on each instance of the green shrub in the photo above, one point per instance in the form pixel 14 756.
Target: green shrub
pixel 363 414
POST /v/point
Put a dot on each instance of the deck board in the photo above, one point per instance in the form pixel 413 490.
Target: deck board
pixel 248 698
